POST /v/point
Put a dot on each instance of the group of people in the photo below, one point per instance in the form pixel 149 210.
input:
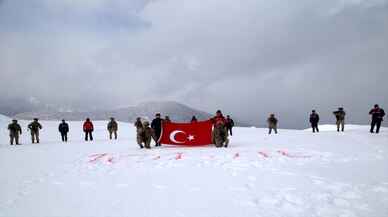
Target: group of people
pixel 146 131
pixel 222 127
pixel 15 130
pixel 377 114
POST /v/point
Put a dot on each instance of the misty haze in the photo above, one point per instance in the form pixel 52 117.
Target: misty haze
pixel 247 58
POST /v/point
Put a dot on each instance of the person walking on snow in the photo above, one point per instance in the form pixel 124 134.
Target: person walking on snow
pixel 272 124
pixel 156 126
pixel 112 128
pixel 314 120
pixel 229 124
pixel 377 117
pixel 88 129
pixel 34 128
pixel 63 128
pixel 220 133
pixel 340 117
pixel 14 132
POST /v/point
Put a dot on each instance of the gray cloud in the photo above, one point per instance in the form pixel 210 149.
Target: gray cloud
pixel 248 58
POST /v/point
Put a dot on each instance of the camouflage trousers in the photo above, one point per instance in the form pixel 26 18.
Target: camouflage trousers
pixel 143 140
pixel 220 137
pixel 340 124
pixel 112 132
pixel 14 137
pixel 35 136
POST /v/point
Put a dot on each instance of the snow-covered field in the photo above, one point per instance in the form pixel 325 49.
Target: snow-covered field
pixel 295 173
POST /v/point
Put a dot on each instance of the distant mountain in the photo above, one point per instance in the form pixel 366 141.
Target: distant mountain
pixel 176 111
pixel 4 118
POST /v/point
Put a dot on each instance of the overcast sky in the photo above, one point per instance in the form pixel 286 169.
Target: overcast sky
pixel 248 58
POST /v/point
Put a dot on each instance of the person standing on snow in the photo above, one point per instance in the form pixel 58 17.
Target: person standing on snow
pixel 63 128
pixel 139 131
pixel 112 128
pixel 88 129
pixel 314 120
pixel 220 133
pixel 229 124
pixel 145 135
pixel 34 127
pixel 14 132
pixel 272 124
pixel 340 117
pixel 156 126
pixel 377 117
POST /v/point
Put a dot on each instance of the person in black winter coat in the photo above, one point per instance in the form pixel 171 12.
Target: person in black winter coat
pixel 63 128
pixel 156 126
pixel 229 124
pixel 377 117
pixel 314 120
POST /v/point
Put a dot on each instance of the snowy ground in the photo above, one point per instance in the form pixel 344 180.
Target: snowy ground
pixel 295 173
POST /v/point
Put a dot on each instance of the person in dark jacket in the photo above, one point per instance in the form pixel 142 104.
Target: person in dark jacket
pixel 229 124
pixel 14 132
pixel 63 128
pixel 156 126
pixel 194 119
pixel 272 124
pixel 167 119
pixel 34 127
pixel 112 128
pixel 377 117
pixel 340 117
pixel 314 120
pixel 88 129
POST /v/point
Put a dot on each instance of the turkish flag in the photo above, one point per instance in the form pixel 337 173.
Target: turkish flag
pixel 189 134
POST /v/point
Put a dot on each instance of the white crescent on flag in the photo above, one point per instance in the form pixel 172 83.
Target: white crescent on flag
pixel 174 133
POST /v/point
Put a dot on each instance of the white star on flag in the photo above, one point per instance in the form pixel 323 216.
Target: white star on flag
pixel 190 138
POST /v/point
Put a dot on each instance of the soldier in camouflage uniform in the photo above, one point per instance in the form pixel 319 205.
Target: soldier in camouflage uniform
pixel 34 127
pixel 112 128
pixel 139 131
pixel 145 136
pixel 220 132
pixel 14 131
pixel 340 117
pixel 272 124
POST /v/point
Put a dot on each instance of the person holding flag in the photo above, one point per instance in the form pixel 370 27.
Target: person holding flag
pixel 220 132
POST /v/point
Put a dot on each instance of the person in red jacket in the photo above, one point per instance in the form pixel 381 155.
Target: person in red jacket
pixel 88 129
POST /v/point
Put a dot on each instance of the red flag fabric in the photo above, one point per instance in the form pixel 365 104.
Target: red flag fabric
pixel 188 134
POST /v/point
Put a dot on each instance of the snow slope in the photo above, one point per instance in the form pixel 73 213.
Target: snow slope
pixel 295 173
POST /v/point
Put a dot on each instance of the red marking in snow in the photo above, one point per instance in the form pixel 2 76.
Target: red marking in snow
pixel 96 157
pixel 285 153
pixel 156 158
pixel 237 155
pixel 178 156
pixel 110 160
pixel 263 154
